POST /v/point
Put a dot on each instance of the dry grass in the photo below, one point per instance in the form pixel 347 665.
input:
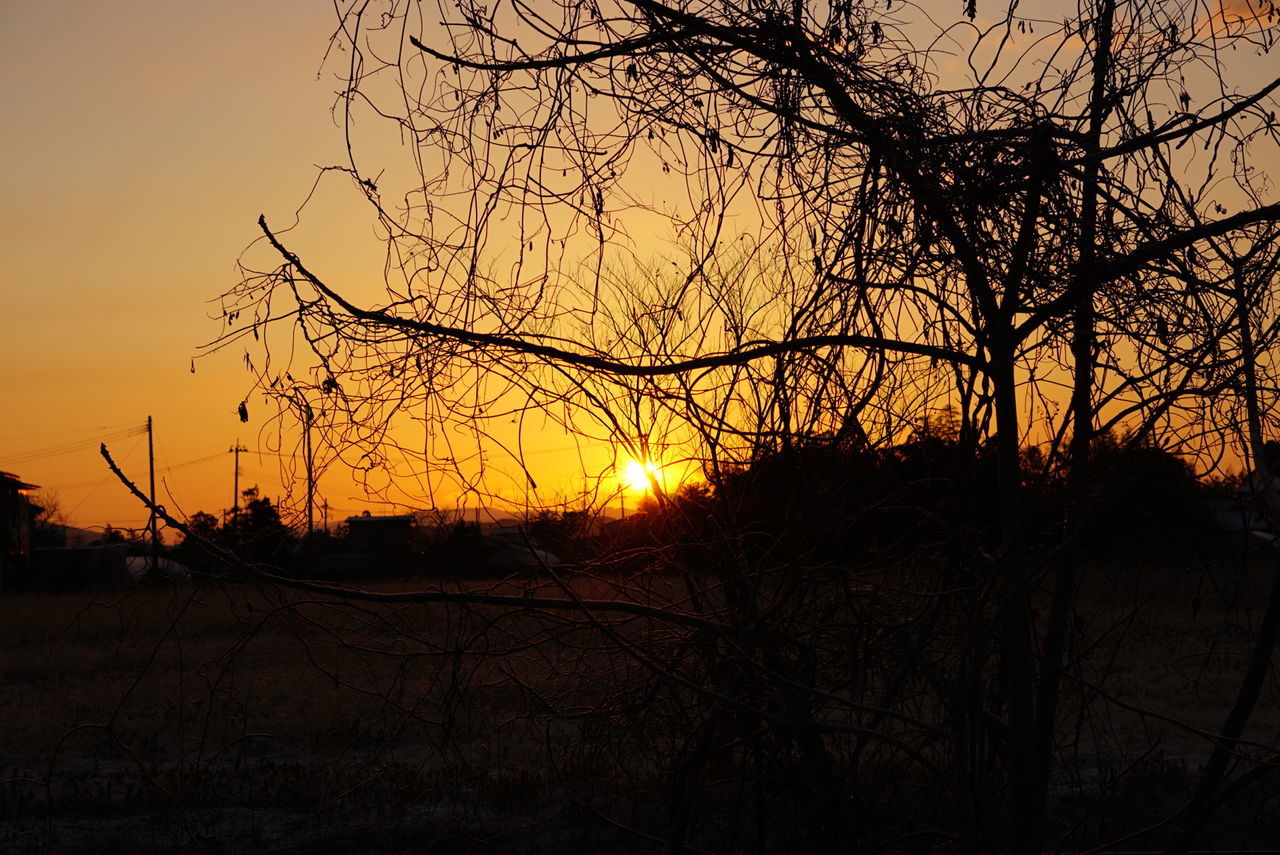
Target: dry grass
pixel 252 718
pixel 1174 641
pixel 1163 649
pixel 232 718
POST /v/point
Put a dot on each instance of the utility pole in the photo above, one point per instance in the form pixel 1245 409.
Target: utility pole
pixel 152 522
pixel 235 480
pixel 307 418
pixel 235 494
pixel 324 511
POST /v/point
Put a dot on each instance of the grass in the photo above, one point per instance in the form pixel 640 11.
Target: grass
pixel 252 717
pixel 231 718
pixel 1167 647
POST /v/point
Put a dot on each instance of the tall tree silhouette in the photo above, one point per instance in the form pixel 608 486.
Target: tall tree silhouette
pixel 872 215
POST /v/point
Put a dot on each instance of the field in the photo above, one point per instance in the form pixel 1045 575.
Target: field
pixel 235 718
pixel 238 718
pixel 1166 652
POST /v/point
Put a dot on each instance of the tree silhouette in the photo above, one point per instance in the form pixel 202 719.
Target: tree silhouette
pixel 878 217
pixel 256 529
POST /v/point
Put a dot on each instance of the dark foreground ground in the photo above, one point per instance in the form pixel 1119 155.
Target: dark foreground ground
pixel 235 719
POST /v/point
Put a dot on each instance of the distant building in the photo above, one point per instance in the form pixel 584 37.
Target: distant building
pixel 382 534
pixel 17 519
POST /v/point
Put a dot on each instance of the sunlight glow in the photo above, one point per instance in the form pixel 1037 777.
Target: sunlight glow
pixel 638 477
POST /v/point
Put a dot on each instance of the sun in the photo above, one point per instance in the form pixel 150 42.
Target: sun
pixel 638 477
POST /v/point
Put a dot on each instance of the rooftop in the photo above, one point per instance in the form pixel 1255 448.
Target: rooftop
pixel 12 482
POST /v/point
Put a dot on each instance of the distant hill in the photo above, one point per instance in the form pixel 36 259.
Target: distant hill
pixel 490 518
pixel 77 536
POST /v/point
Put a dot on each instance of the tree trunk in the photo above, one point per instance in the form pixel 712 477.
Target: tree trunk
pixel 1026 808
pixel 1083 344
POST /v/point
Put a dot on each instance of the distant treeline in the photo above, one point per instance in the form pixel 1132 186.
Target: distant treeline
pixel 841 504
pixel 820 503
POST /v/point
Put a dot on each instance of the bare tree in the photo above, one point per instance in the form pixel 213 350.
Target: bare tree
pixel 872 216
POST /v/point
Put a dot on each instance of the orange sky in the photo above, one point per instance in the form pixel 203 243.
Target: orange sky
pixel 142 140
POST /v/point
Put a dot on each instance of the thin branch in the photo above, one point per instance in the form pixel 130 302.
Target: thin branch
pixel 740 355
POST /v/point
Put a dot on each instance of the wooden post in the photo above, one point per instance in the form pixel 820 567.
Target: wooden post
pixel 152 524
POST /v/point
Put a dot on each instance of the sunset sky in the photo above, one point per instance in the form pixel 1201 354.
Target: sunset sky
pixel 142 140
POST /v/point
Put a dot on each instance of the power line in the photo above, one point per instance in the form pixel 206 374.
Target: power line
pixel 108 477
pixel 187 463
pixel 70 447
pixel 89 482
pixel 94 430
